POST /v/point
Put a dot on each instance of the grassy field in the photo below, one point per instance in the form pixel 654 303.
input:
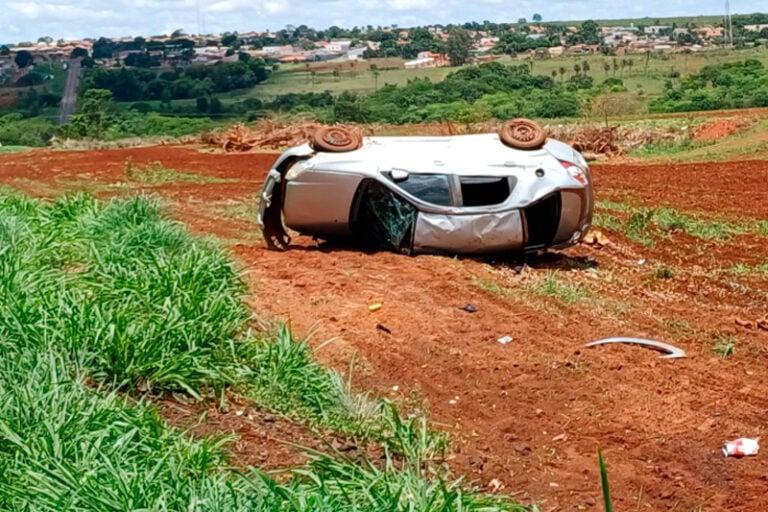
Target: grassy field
pixel 13 149
pixel 107 305
pixel 647 76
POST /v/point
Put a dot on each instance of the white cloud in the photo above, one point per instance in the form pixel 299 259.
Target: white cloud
pixel 406 5
pixel 275 7
pixel 28 9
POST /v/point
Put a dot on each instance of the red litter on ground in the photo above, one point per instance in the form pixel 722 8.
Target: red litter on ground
pixel 742 448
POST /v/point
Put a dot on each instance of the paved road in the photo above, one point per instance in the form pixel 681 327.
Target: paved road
pixel 69 100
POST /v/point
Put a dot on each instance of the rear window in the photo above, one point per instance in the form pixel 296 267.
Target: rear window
pixel 431 188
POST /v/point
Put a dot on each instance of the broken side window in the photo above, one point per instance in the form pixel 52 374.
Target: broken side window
pixel 431 188
pixel 384 220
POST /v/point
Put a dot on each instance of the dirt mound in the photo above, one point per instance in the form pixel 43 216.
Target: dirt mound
pixel 615 140
pixel 266 134
pixel 719 129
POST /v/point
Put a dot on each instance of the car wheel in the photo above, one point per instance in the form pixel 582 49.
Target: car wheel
pixel 335 139
pixel 522 134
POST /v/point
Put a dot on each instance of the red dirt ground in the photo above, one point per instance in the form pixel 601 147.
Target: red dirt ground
pixel 531 413
pixel 717 129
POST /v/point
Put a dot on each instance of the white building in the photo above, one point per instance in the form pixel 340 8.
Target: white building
pixel 339 46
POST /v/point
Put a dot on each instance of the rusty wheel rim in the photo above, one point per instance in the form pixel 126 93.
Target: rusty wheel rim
pixel 523 131
pixel 337 138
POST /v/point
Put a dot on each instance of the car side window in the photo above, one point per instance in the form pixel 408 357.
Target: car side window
pixel 431 188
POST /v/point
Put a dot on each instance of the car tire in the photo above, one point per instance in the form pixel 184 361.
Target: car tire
pixel 335 139
pixel 522 134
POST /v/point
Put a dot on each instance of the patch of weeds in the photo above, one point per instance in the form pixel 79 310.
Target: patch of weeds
pixel 679 326
pixel 13 149
pixel 663 272
pixel 637 226
pixel 157 174
pixel 669 219
pixel 742 269
pixel 606 221
pixel 643 224
pixel 724 345
pixel 565 291
pixel 490 286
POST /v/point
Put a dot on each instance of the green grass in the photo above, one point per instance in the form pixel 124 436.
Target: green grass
pixel 644 224
pixel 724 345
pixel 607 501
pixel 157 174
pixel 645 82
pixel 551 285
pixel 742 269
pixel 106 302
pixel 13 149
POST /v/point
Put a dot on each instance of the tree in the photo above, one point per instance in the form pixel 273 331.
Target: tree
pixel 459 46
pixel 376 73
pixel 103 49
pixel 229 39
pixel 93 116
pixel 78 53
pixel 24 59
pixel 590 32
pixel 201 103
pixel 585 67
pixel 5 51
pixel 522 21
pixel 537 18
pixel 165 98
pixel 179 32
pixel 562 72
pixel 216 107
pixel 606 67
pixel 577 68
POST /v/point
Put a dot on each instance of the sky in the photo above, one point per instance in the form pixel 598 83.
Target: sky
pixel 26 20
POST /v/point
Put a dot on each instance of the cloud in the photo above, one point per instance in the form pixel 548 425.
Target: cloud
pixel 30 19
pixel 406 5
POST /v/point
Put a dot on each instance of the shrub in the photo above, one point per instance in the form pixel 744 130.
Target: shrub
pixel 15 130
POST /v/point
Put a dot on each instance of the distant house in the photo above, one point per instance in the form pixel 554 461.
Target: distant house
pixel 321 55
pixel 208 54
pixel 355 53
pixel 428 60
pixel 556 51
pixel 294 57
pixel 755 28
pixel 276 52
pixel 620 36
pixel 339 46
pixel 709 32
pixel 657 29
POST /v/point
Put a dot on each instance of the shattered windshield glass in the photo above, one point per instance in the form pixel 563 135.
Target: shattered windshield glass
pixel 385 220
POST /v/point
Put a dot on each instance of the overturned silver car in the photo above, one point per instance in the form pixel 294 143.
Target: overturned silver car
pixel 471 194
